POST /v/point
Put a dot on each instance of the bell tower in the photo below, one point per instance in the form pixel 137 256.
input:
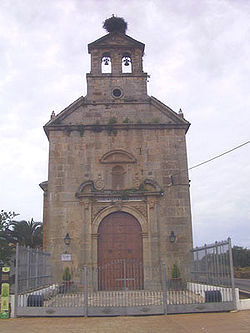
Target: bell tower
pixel 116 68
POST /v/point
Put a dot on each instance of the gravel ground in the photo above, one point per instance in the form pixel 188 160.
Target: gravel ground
pixel 235 322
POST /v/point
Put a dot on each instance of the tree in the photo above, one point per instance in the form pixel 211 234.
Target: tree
pixel 6 248
pixel 5 219
pixel 26 233
pixel 241 256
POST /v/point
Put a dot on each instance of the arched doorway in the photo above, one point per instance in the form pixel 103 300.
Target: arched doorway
pixel 120 253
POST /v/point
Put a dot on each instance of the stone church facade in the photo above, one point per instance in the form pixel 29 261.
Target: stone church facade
pixel 117 183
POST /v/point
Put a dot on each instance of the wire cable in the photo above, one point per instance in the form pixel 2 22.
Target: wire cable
pixel 211 159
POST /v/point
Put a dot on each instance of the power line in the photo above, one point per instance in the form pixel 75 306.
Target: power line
pixel 211 159
pixel 215 157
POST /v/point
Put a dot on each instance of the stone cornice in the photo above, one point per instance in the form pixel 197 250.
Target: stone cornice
pixel 126 127
pixel 44 186
pixel 110 75
pixel 111 194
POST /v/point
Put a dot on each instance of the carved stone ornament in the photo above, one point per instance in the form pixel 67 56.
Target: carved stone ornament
pixel 151 203
pixel 99 184
pixel 94 236
pixel 137 180
pixel 96 189
pixel 117 156
pixel 86 204
pixel 118 205
pixel 96 209
pixel 141 208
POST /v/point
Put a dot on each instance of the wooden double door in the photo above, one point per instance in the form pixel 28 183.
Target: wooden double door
pixel 120 253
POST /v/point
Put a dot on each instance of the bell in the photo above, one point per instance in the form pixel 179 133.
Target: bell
pixel 106 61
pixel 126 62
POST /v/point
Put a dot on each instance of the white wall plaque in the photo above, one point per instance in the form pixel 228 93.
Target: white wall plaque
pixel 66 257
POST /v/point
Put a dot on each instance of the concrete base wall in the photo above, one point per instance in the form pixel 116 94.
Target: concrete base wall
pixel 241 304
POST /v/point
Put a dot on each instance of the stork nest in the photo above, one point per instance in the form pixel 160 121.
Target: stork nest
pixel 115 24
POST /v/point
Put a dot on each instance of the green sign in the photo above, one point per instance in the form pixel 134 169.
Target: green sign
pixel 6 269
pixel 5 293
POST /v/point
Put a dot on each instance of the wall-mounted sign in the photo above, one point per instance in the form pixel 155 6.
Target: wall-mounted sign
pixel 66 257
pixel 5 292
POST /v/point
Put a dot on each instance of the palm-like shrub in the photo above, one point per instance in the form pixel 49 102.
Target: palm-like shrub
pixel 26 233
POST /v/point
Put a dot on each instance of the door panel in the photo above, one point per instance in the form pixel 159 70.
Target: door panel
pixel 120 253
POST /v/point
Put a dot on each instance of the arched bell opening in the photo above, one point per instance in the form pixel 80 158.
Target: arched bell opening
pixel 106 64
pixel 126 63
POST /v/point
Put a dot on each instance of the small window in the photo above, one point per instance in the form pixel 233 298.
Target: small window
pixel 106 63
pixel 126 63
pixel 117 178
pixel 117 93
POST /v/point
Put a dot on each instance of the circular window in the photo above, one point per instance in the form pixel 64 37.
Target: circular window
pixel 117 93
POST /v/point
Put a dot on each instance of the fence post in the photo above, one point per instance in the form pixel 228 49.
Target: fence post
pixel 85 272
pixel 48 269
pixel 217 264
pixel 206 265
pixel 164 289
pixel 37 264
pixel 16 280
pixel 231 270
pixel 28 269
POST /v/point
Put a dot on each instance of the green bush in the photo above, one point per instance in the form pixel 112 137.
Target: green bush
pixel 155 121
pixel 127 121
pixel 66 274
pixel 176 273
pixel 96 127
pixel 110 126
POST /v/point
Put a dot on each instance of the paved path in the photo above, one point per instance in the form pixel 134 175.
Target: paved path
pixel 232 322
pixel 243 284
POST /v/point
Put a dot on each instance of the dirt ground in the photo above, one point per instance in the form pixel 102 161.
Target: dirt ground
pixel 235 322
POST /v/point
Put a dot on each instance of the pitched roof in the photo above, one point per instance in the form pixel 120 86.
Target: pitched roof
pixel 116 39
pixel 66 112
pixel 169 112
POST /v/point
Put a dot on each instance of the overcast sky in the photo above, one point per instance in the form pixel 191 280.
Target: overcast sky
pixel 198 56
